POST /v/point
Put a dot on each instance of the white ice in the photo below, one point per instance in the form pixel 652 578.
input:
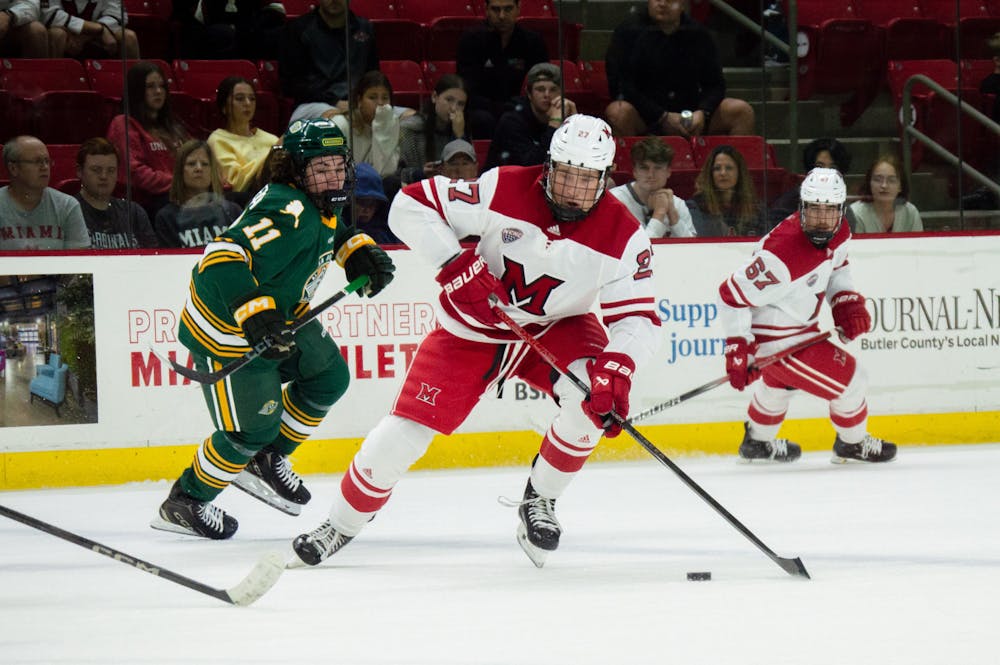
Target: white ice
pixel 905 564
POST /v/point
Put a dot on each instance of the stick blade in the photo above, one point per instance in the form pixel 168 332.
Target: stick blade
pixel 793 567
pixel 259 581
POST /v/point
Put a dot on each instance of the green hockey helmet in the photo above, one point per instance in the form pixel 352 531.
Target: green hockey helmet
pixel 307 139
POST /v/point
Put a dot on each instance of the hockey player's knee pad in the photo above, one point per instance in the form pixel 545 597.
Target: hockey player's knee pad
pixel 391 448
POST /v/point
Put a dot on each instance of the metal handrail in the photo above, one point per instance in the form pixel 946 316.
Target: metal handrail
pixel 942 152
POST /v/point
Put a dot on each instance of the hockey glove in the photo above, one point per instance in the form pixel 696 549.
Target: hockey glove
pixel 610 383
pixel 850 315
pixel 367 258
pixel 262 323
pixel 739 362
pixel 467 284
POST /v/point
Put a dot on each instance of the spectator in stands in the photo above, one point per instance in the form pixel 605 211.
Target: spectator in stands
pixel 459 161
pixel 313 60
pixel 226 29
pixel 662 213
pixel 664 75
pixel 724 203
pixel 370 212
pixel 523 134
pixel 32 214
pixel 88 29
pixel 823 153
pixel 239 148
pixel 423 135
pixel 373 129
pixel 984 198
pixel 113 223
pixel 153 136
pixel 493 60
pixel 21 32
pixel 883 207
pixel 197 211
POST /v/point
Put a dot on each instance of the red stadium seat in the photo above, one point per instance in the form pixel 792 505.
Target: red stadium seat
pixel 200 79
pixel 482 147
pixel 398 39
pixel 371 9
pixel 548 27
pixel 426 11
pixel 541 8
pixel 151 21
pixel 977 20
pixel 595 75
pixel 295 8
pixel 930 115
pixel 442 35
pixel 407 81
pixel 435 69
pixel 51 99
pixel 903 31
pixel 63 156
pixel 683 154
pixel 758 153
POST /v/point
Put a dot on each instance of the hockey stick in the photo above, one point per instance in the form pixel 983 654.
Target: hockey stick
pixel 715 383
pixel 263 576
pixel 264 344
pixel 790 566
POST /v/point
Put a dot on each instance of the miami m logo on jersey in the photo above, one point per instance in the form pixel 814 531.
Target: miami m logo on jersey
pixel 428 394
pixel 531 297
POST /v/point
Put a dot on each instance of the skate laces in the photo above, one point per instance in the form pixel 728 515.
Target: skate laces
pixel 541 511
pixel 871 445
pixel 283 468
pixel 212 516
pixel 779 447
pixel 326 539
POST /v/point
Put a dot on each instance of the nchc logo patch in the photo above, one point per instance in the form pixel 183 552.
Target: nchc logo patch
pixel 270 406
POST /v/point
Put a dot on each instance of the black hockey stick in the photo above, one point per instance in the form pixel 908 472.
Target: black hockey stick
pixel 263 576
pixel 264 344
pixel 790 566
pixel 715 383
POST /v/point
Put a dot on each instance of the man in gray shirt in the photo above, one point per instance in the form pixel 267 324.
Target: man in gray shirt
pixel 32 214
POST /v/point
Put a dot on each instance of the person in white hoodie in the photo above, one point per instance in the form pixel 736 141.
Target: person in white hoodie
pixel 662 213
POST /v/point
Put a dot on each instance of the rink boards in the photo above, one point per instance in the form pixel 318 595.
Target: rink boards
pixel 933 358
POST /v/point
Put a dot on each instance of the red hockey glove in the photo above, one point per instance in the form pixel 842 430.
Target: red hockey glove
pixel 467 283
pixel 610 383
pixel 739 361
pixel 850 315
pixel 263 324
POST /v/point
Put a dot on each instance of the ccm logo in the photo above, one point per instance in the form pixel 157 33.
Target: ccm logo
pixel 463 278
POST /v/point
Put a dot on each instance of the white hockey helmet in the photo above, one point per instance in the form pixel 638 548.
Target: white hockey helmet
pixel 825 187
pixel 585 142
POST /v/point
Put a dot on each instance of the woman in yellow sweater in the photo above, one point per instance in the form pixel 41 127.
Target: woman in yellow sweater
pixel 240 148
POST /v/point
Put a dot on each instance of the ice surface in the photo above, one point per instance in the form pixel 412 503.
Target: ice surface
pixel 905 561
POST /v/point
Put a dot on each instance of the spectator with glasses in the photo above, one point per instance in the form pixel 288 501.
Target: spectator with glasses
pixel 32 214
pixel 884 207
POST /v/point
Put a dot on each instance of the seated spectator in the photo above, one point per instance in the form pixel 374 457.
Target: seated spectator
pixel 724 203
pixel 883 207
pixel 197 211
pixel 228 29
pixel 113 223
pixel 524 133
pixel 493 59
pixel 423 135
pixel 824 153
pixel 154 135
pixel 664 73
pixel 373 130
pixel 370 212
pixel 22 34
pixel 459 161
pixel 662 213
pixel 88 29
pixel 32 214
pixel 239 148
pixel 313 59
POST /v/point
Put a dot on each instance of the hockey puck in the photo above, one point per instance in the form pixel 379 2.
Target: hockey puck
pixel 699 577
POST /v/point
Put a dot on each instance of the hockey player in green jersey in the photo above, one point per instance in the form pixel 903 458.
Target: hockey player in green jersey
pixel 249 284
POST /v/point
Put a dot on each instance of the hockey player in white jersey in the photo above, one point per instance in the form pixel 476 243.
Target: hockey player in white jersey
pixel 773 301
pixel 550 247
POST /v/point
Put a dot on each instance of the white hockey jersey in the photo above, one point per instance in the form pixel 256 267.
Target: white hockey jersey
pixel 776 296
pixel 552 270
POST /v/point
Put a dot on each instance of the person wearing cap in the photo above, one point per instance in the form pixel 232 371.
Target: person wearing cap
pixel 493 59
pixel 369 214
pixel 459 161
pixel 523 133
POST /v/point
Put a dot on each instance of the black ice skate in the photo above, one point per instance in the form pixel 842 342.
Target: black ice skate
pixel 317 545
pixel 269 478
pixel 776 450
pixel 871 449
pixel 539 530
pixel 182 513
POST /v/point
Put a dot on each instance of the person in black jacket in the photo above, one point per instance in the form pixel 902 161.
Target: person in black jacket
pixel 665 78
pixel 493 60
pixel 313 62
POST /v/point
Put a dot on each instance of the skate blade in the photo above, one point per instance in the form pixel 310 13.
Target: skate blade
pixel 837 459
pixel 259 490
pixel 163 525
pixel 536 554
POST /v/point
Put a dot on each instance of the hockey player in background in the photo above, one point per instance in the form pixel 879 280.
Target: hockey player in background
pixel 551 246
pixel 250 283
pixel 772 303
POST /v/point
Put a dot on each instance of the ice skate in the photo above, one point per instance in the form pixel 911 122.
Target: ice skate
pixel 776 450
pixel 539 530
pixel 269 478
pixel 182 513
pixel 870 449
pixel 314 547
